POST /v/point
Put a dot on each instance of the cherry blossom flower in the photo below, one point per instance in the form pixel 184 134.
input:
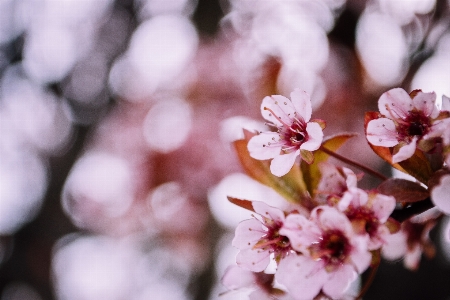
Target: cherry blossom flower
pixel 407 119
pixel 368 212
pixel 295 134
pixel 409 243
pixel 257 239
pixel 330 255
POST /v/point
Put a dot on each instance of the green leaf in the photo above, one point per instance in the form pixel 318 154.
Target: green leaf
pixel 404 191
pixel 311 172
pixel 291 186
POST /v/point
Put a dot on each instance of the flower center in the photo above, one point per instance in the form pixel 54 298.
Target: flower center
pixel 363 220
pixel 273 242
pixel 415 124
pixel 333 249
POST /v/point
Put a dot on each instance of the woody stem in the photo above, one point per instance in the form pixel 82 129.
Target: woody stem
pixel 353 163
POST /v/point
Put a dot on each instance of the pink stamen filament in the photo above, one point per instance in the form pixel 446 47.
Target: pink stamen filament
pixel 267 243
pixel 278 118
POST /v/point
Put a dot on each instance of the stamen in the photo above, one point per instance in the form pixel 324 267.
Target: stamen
pixel 278 118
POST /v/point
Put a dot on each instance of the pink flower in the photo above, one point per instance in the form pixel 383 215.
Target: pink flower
pixel 406 120
pixel 368 212
pixel 330 255
pixel 295 134
pixel 409 243
pixel 257 239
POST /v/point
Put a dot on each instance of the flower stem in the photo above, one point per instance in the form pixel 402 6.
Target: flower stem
pixel 353 163
pixel 369 281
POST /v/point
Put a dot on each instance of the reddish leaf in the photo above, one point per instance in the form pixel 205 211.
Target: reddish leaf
pixel 247 204
pixel 404 191
pixel 311 172
pixel 290 186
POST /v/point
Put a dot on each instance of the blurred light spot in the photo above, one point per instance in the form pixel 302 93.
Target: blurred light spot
pixel 72 12
pixel 243 187
pixel 434 74
pixel 49 53
pixel 167 125
pixel 150 8
pixel 292 35
pixel 403 11
pixel 99 183
pixel 292 77
pixel 231 129
pixel 160 49
pixel 35 114
pixel 444 238
pixel 7 28
pixel 23 182
pixel 19 291
pixel 166 200
pixel 92 268
pixel 382 48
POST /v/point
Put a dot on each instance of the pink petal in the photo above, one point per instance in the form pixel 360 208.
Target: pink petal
pixel 395 246
pixel 302 276
pixel 383 206
pixel 302 104
pixel 360 256
pixel 405 152
pixel 398 101
pixel 382 132
pixel 412 258
pixel 379 239
pixel 283 163
pixel 440 194
pixel 301 232
pixel 283 112
pixel 254 260
pixel 330 218
pixel 351 179
pixel 259 147
pixel 339 281
pixel 315 137
pixel 426 102
pixel 268 211
pixel 331 181
pixel 247 234
pixel 259 294
pixel 236 277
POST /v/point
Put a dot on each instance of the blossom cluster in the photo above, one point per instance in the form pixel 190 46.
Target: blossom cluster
pixel 334 230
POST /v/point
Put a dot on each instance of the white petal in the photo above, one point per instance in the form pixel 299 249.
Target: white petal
pixel 283 163
pixel 301 232
pixel 247 234
pixel 254 260
pixel 440 194
pixel 302 276
pixel 339 281
pixel 276 104
pixel 412 258
pixel 351 179
pixel 405 152
pixel 259 147
pixel 330 218
pixel 236 277
pixel 360 256
pixel 302 103
pixel 383 206
pixel 426 102
pixel 382 132
pixel 398 101
pixel 315 137
pixel 395 246
pixel 268 211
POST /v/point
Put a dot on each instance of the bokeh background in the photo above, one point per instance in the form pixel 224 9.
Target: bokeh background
pixel 116 123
